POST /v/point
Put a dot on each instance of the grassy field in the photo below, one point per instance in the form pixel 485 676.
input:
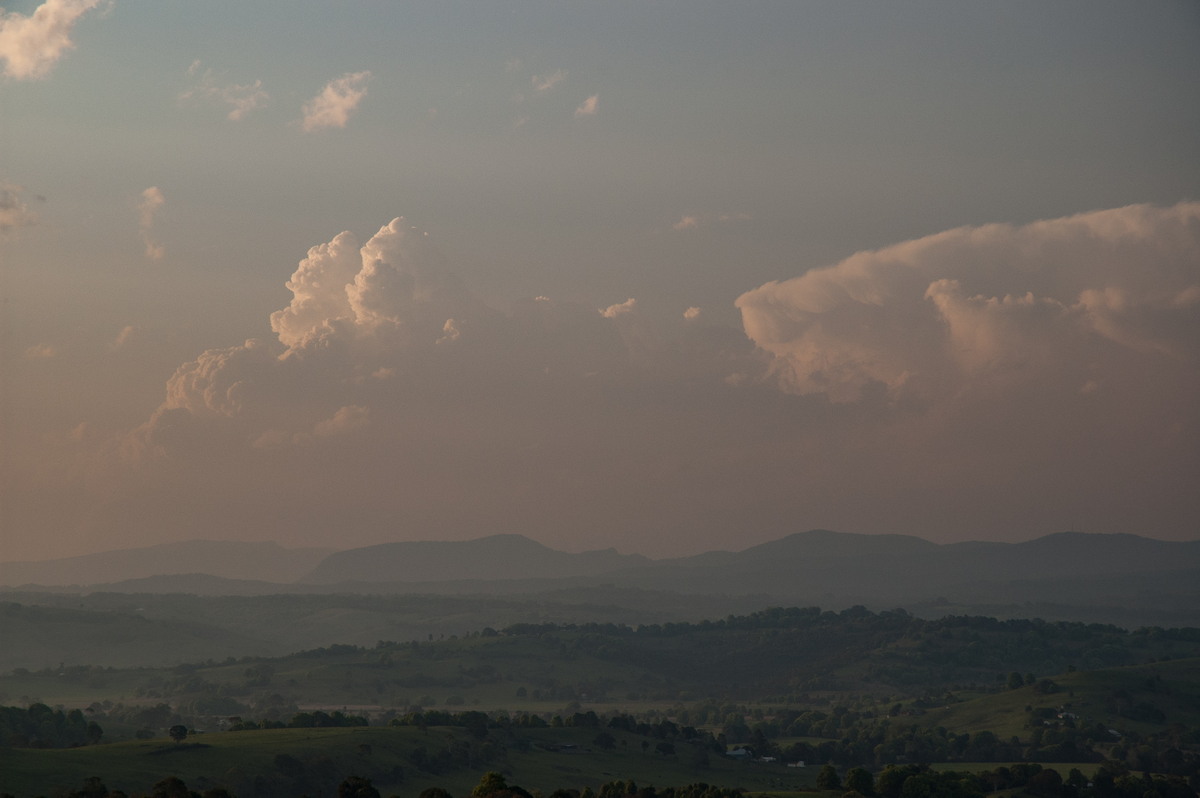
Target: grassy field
pixel 1094 697
pixel 296 756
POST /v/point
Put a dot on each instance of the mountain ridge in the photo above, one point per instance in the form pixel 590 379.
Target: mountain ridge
pixel 816 565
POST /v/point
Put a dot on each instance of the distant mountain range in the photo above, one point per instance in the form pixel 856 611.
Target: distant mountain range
pixel 266 562
pixel 820 567
pixel 498 557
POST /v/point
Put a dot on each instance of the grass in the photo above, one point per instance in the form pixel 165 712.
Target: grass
pixel 231 758
pixel 1171 686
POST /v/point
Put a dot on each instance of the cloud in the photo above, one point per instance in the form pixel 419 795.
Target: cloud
pixel 127 334
pixel 336 102
pixel 346 420
pixel 985 308
pixel 31 45
pixel 450 332
pixel 243 98
pixel 695 220
pixel 983 381
pixel 612 311
pixel 544 83
pixel 41 352
pixel 587 107
pixel 152 200
pixel 14 212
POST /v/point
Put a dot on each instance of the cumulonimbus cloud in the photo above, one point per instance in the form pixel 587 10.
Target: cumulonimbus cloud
pixel 336 102
pixel 31 45
pixel 995 304
pixel 960 378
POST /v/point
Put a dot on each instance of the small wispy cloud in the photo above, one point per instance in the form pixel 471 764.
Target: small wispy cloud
pixel 14 212
pixel 243 97
pixel 336 102
pixel 126 335
pixel 544 83
pixel 152 200
pixel 691 313
pixel 587 107
pixel 620 309
pixel 695 220
pixel 31 45
pixel 41 352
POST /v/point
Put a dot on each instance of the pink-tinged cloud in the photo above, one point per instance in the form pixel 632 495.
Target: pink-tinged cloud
pixel 544 83
pixel 588 107
pixel 988 306
pixel 31 45
pixel 41 352
pixel 14 212
pixel 124 337
pixel 152 200
pixel 620 309
pixel 695 220
pixel 996 381
pixel 336 102
pixel 242 97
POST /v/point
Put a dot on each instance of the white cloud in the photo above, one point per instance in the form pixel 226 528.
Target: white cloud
pixel 152 200
pixel 686 223
pixel 243 97
pixel 612 311
pixel 986 305
pixel 333 106
pixel 31 45
pixel 587 107
pixel 544 83
pixel 929 381
pixel 14 212
pixel 41 352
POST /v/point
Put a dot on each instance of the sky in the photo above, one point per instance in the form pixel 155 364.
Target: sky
pixel 661 276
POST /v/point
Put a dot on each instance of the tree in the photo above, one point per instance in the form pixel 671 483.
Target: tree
pixel 827 778
pixel 178 732
pixel 490 783
pixel 170 787
pixel 357 787
pixel 434 792
pixel 860 780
